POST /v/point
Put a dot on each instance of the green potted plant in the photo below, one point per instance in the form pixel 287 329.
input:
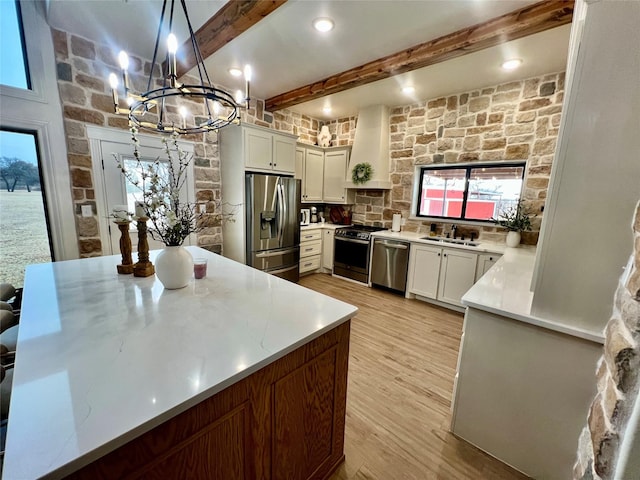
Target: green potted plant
pixel 515 218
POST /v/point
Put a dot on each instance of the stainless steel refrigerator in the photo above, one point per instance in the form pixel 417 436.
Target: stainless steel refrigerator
pixel 273 224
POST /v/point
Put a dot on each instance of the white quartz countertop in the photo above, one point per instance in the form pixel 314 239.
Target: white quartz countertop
pixel 483 247
pixel 505 290
pixel 103 358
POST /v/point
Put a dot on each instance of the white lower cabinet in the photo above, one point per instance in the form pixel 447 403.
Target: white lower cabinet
pixel 424 270
pixel 485 262
pixel 310 250
pixel 457 275
pixel 328 236
pixel 445 274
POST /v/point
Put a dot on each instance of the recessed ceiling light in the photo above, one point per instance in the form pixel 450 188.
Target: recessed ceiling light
pixel 326 110
pixel 323 24
pixel 512 64
pixel 408 90
pixel 236 72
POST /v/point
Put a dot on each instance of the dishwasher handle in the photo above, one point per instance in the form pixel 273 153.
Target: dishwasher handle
pixel 399 246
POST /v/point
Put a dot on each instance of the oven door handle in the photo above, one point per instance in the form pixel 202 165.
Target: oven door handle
pixel 353 240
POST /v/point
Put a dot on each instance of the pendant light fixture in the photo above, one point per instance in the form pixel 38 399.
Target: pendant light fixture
pixel 165 109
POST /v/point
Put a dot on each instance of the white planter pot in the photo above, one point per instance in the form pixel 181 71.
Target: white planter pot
pixel 513 239
pixel 174 267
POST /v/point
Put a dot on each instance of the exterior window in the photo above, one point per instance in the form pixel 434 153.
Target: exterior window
pixel 13 64
pixel 469 192
pixel 24 232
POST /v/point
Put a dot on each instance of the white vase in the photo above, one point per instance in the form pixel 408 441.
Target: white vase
pixel 174 267
pixel 324 137
pixel 513 239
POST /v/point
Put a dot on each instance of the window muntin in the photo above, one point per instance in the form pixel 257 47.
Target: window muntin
pixel 14 71
pixel 469 192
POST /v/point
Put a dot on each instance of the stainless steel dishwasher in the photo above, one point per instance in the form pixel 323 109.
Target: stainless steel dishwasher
pixel 389 263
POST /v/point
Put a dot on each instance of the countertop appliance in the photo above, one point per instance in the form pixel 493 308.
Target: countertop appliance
pixel 314 215
pixel 389 264
pixel 273 224
pixel 305 216
pixel 352 246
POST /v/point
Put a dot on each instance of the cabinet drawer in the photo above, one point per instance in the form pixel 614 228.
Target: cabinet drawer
pixel 310 248
pixel 310 236
pixel 310 263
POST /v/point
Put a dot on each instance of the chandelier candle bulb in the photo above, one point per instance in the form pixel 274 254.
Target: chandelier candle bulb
pixel 172 46
pixel 183 114
pixel 247 77
pixel 123 60
pixel 113 82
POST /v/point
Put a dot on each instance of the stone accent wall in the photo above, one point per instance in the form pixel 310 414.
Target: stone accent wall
pixel 512 121
pixel 83 68
pixel 617 377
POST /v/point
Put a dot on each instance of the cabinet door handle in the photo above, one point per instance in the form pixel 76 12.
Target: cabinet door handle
pixel 445 254
pixel 438 254
pixel 491 259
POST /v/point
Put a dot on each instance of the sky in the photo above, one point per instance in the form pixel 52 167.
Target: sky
pixel 18 145
pixel 11 58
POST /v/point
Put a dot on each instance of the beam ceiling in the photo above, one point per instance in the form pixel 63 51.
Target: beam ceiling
pixel 519 23
pixel 231 20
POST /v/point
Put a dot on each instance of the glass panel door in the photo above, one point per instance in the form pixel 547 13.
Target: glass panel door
pixel 24 231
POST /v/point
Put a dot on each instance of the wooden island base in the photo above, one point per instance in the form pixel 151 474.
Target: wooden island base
pixel 285 421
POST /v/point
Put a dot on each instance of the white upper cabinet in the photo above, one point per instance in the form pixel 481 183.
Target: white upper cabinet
pixel 309 169
pixel 322 173
pixel 268 151
pixel 335 169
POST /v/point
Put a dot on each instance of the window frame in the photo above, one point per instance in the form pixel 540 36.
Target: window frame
pixel 468 167
pixel 39 110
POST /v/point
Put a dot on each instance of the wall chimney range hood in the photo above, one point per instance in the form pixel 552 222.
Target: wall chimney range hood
pixel 371 145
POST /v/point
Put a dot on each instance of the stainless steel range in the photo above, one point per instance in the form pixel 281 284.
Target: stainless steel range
pixel 352 246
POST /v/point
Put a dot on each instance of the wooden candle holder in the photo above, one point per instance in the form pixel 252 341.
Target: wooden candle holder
pixel 144 268
pixel 126 267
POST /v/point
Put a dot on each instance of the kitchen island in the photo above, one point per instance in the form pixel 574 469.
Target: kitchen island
pixel 238 375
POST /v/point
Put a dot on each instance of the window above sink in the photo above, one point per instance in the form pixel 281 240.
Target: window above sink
pixel 473 192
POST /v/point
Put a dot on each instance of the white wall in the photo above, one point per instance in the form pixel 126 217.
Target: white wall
pixel 595 181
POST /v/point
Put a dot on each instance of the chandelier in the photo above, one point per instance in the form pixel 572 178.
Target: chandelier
pixel 155 109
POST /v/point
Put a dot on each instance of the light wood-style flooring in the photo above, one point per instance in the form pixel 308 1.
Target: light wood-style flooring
pixel 402 361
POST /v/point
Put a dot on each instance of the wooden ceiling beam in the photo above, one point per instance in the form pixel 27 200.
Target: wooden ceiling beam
pixel 231 20
pixel 517 24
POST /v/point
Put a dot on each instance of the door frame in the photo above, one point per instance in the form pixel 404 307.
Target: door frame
pixel 99 135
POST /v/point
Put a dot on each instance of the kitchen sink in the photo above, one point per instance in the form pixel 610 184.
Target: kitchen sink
pixel 453 241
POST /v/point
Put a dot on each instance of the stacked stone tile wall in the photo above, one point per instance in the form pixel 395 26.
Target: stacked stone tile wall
pixel 82 69
pixel 617 378
pixel 512 121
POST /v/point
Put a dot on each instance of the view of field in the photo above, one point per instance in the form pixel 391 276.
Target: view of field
pixel 23 234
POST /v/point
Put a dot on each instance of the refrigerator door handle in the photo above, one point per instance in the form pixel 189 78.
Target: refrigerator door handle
pixel 275 254
pixel 283 212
